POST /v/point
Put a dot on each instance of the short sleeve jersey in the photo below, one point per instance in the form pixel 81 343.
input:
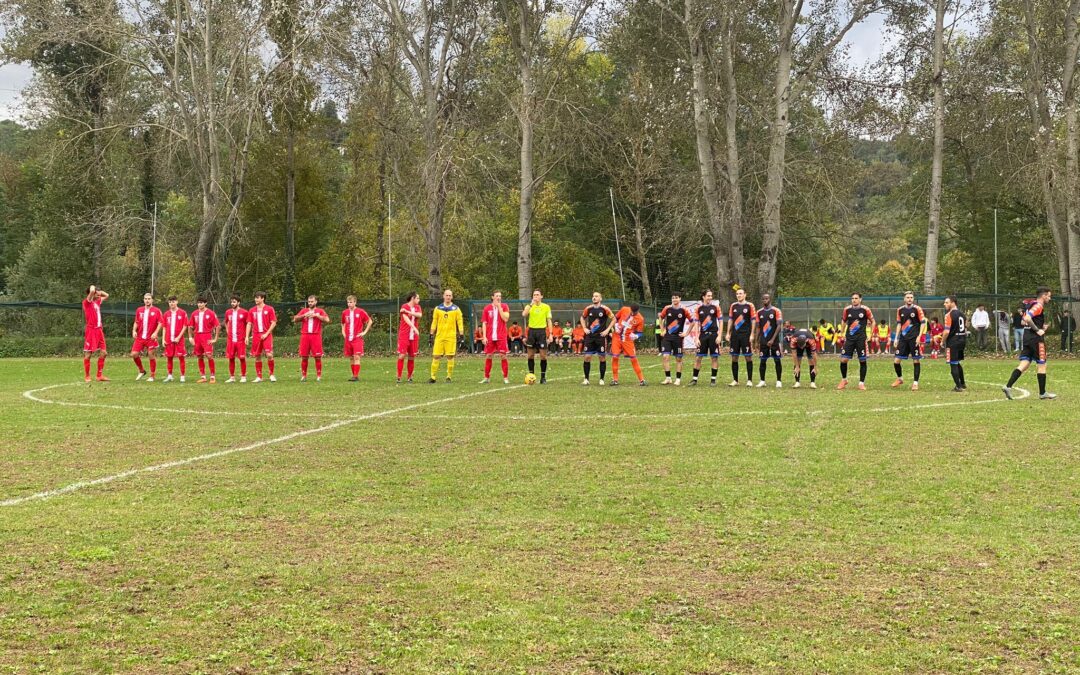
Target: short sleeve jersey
pixel 769 320
pixel 261 318
pixel 175 323
pixel 742 315
pixel 354 321
pixel 147 320
pixel 708 318
pixel 203 321
pixel 493 321
pixel 596 318
pixel 674 319
pixel 92 312
pixel 803 337
pixel 1036 315
pixel 539 315
pixel 236 322
pixel 910 320
pixel 310 325
pixel 857 319
pixel 956 325
pixel 403 327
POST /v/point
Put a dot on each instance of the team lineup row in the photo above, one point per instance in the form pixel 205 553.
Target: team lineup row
pixel 607 333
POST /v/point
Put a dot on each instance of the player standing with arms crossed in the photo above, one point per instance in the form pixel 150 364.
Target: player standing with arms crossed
pixel 1034 348
pixel 446 325
pixel 955 338
pixel 629 326
pixel 910 327
pixel 263 321
pixel 493 334
pixel 355 324
pixel 176 321
pixel 674 319
pixel 858 324
pixel 769 321
pixel 204 328
pixel 803 341
pixel 596 320
pixel 94 333
pixel 408 342
pixel 708 321
pixel 144 332
pixel 537 316
pixel 237 328
pixel 742 327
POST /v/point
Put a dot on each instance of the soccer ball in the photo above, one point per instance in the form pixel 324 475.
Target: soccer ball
pixel 530 379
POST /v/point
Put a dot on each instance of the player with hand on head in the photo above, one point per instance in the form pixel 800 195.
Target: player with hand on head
pixel 408 342
pixel 770 319
pixel 803 341
pixel 742 327
pixel 237 333
pixel 858 323
pixel 597 321
pixel 446 325
pixel 94 333
pixel 204 329
pixel 628 329
pixel 355 324
pixel 676 321
pixel 493 334
pixel 311 319
pixel 263 321
pixel 707 317
pixel 1034 348
pixel 176 320
pixel 955 339
pixel 144 333
pixel 538 335
pixel 910 327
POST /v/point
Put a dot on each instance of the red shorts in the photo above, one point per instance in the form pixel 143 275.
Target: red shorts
pixel 496 347
pixel 178 348
pixel 311 344
pixel 203 346
pixel 407 346
pixel 259 345
pixel 93 340
pixel 235 350
pixel 354 347
pixel 140 345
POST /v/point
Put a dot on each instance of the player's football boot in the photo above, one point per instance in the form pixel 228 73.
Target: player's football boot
pixel 243 379
pixel 1008 392
pixel 318 378
pixel 273 379
pixel 897 382
pixel 958 390
pixel 213 379
pixel 641 383
pixel 409 381
pixel 796 385
pixel 150 379
pixel 667 380
pixel 1047 396
pixel 750 383
pixel 761 384
pixel 303 378
pixel 712 382
pixel 432 381
pixel 168 378
pixel 102 378
pixel 862 386
pixel 141 375
pixel 733 383
pixel 201 380
pixel 506 380
pixel 585 382
pixel 354 379
pixel 601 382
pixel 693 382
pixel 914 386
pixel 813 385
pixel 88 379
pixel 231 380
pixel 449 379
pixel 678 381
pixel 779 384
pixel 486 380
pixel 614 383
pixel 543 379
pixel 256 380
pixel 842 385
pixel 183 378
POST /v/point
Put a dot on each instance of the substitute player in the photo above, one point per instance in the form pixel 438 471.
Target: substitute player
pixel 446 325
pixel 355 324
pixel 94 333
pixel 803 341
pixel 493 334
pixel 237 333
pixel 144 335
pixel 674 319
pixel 263 321
pixel 742 327
pixel 707 318
pixel 1034 348
pixel 910 328
pixel 629 327
pixel 311 319
pixel 858 323
pixel 175 320
pixel 204 329
pixel 955 338
pixel 408 342
pixel 770 319
pixel 597 321
pixel 538 336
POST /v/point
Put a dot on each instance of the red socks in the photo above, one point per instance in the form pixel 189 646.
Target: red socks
pixel 170 362
pixel 138 364
pixel 412 364
pixel 153 366
pixel 86 365
pixel 400 365
pixel 232 367
pixel 258 369
pixel 183 366
pixel 213 369
pixel 487 368
pixel 356 370
pixel 318 366
pixel 100 365
pixel 270 364
pixel 202 366
pixel 303 366
pixel 243 367
pixel 506 368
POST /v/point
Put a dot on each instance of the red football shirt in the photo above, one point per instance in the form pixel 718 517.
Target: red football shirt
pixel 354 321
pixel 147 320
pixel 203 321
pixel 175 323
pixel 236 321
pixel 403 328
pixel 310 325
pixel 92 312
pixel 262 318
pixel 494 322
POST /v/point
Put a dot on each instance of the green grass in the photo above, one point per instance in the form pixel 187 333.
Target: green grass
pixel 629 530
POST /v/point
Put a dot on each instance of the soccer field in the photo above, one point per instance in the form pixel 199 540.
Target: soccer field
pixel 339 527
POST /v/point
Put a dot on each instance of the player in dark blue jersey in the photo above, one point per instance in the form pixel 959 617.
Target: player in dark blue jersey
pixel 742 326
pixel 1034 348
pixel 955 339
pixel 803 341
pixel 770 320
pixel 676 321
pixel 597 320
pixel 910 327
pixel 707 318
pixel 857 322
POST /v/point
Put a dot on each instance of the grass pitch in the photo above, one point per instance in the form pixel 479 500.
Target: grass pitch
pixel 557 528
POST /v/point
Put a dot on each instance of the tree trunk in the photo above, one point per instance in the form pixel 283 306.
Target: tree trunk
pixel 149 198
pixel 1072 145
pixel 434 177
pixel 934 227
pixel 734 165
pixel 528 180
pixel 204 245
pixel 289 285
pixel 639 249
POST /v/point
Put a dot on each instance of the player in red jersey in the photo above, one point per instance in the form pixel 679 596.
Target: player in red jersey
pixel 263 321
pixel 493 334
pixel 94 334
pixel 144 332
pixel 355 323
pixel 175 320
pixel 311 320
pixel 408 342
pixel 204 329
pixel 237 332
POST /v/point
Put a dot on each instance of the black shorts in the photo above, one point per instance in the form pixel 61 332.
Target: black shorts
pixel 954 351
pixel 1034 348
pixel 806 350
pixel 768 351
pixel 708 344
pixel 740 344
pixel 671 344
pixel 536 338
pixel 855 347
pixel 908 347
pixel 595 343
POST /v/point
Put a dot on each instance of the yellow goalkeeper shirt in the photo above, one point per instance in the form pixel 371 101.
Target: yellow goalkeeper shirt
pixel 447 323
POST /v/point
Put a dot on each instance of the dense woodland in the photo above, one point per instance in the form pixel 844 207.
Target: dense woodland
pixel 329 146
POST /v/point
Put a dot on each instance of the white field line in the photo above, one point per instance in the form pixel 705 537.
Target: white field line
pixel 82 485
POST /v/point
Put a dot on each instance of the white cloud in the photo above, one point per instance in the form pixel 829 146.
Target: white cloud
pixel 13 79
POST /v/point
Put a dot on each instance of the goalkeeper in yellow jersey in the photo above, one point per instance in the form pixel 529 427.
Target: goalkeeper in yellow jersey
pixel 446 326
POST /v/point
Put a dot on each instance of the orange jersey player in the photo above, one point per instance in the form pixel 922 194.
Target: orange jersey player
pixel 629 327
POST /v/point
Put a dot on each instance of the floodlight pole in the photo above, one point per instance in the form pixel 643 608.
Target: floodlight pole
pixel 618 249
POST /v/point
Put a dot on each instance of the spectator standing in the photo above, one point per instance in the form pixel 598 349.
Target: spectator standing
pixel 980 321
pixel 1068 327
pixel 1018 327
pixel 1003 327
